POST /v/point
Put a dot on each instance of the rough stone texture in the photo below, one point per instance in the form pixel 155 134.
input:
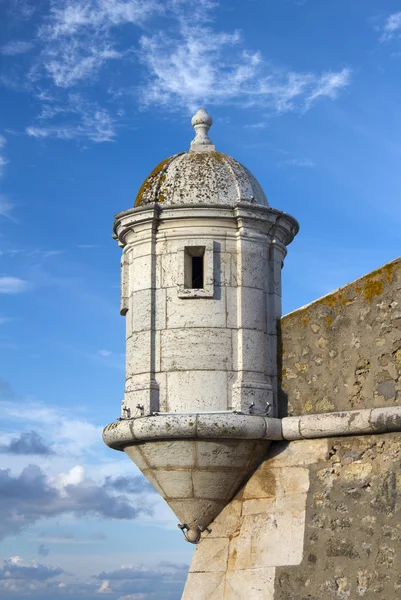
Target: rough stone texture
pixel 352 546
pixel 318 520
pixel 343 351
pixel 205 349
pixel 200 177
pixel 261 529
pixel 197 477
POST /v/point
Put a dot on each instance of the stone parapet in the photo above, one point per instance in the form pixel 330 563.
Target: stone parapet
pixel 191 425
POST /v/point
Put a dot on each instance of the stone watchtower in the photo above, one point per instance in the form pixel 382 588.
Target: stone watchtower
pixel 201 293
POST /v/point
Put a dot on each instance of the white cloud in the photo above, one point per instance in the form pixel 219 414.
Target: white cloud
pixel 3 160
pixel 202 66
pixel 76 35
pixel 77 61
pixel 16 47
pixel 185 64
pixel 82 119
pixel 12 285
pixel 6 207
pixel 105 353
pixel 298 162
pixel 392 27
pixel 329 85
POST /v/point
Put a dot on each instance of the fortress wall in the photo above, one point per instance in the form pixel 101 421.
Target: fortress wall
pixel 343 351
pixel 320 519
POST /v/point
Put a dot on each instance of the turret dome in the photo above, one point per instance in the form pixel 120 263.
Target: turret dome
pixel 200 176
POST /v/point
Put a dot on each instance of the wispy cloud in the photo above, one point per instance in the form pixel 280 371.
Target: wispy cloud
pixel 16 47
pixel 202 66
pixel 20 9
pixel 329 85
pixel 6 207
pixel 258 125
pixel 12 285
pixel 187 64
pixel 81 119
pixel 392 27
pixel 298 162
pixel 77 36
pixel 3 160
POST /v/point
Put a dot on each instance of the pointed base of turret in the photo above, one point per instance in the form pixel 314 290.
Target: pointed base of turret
pixel 197 478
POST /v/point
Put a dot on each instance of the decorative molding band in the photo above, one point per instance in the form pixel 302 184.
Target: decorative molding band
pixel 349 422
pixel 191 425
pixel 232 425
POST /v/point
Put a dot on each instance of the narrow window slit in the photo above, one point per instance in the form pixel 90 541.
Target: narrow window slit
pixel 197 272
pixel 194 267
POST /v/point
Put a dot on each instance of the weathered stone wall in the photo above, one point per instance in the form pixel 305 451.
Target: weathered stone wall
pixel 319 520
pixel 343 351
pixel 352 545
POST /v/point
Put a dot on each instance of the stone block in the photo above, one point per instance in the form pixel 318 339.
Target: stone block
pixel 135 454
pixel 250 584
pixel 222 269
pixel 196 511
pixel 232 307
pixel 196 349
pixel 256 506
pixel 241 426
pixel 165 426
pixel 216 485
pixel 150 476
pixel 268 540
pixel 213 556
pixel 291 480
pixel 262 484
pixel 196 391
pixel 290 428
pixel 169 270
pixel 331 424
pixel 169 453
pixel 196 312
pixel 141 273
pixel 253 272
pixel 227 453
pixel 138 353
pixel 200 586
pixel 253 313
pixel 176 484
pixel 298 453
pixel 141 310
pixel 160 309
pixel 251 351
pixel 228 521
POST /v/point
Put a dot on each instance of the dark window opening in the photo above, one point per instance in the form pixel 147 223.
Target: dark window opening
pixel 197 272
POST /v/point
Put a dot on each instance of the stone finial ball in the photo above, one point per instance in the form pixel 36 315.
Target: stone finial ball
pixel 201 117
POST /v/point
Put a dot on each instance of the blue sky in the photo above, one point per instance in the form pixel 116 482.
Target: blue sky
pixel 94 93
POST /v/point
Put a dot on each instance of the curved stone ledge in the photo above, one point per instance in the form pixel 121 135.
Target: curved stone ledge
pixel 251 427
pixel 349 422
pixel 191 425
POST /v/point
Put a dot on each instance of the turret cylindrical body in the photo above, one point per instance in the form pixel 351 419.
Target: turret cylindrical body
pixel 201 293
pixel 201 289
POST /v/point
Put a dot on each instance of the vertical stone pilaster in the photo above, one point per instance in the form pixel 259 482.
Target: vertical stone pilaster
pixel 276 253
pixel 141 390
pixel 252 391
